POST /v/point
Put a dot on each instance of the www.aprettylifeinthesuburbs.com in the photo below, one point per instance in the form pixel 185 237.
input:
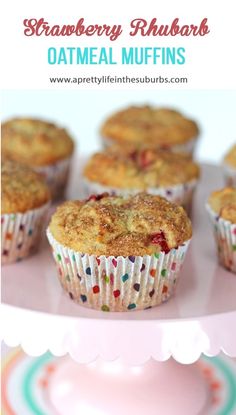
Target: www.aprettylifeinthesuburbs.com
pixel 107 79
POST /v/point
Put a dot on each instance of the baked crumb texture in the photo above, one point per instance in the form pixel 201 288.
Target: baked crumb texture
pixel 111 225
pixel 146 124
pixel 223 202
pixel 22 188
pixel 35 142
pixel 131 168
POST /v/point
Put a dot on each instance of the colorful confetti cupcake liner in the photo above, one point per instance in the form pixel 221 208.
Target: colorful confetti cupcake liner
pixel 187 148
pixel 181 194
pixel 118 283
pixel 225 237
pixel 56 176
pixel 230 175
pixel 21 233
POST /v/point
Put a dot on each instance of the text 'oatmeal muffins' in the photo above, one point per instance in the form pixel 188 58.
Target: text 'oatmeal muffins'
pixel 25 199
pixel 118 254
pixel 158 127
pixel 229 166
pixel 222 210
pixel 127 170
pixel 41 145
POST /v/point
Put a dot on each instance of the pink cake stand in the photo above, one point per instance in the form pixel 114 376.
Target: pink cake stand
pixel 139 362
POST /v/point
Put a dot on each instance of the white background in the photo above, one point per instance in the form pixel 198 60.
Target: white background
pixel 82 112
pixel 210 59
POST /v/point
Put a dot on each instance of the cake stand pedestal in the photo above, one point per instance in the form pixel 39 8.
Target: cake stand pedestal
pixel 120 361
pixel 113 388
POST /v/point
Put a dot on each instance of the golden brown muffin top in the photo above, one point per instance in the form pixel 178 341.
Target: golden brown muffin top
pixel 223 202
pixel 22 188
pixel 140 169
pixel 35 142
pixel 230 157
pixel 111 225
pixel 146 124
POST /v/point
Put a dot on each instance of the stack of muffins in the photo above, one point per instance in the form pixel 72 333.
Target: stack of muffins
pixel 146 149
pixel 36 159
pixel 123 247
pixel 42 146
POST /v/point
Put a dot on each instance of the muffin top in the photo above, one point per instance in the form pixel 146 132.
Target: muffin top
pixel 35 142
pixel 223 202
pixel 145 124
pixel 140 169
pixel 22 188
pixel 112 225
pixel 230 157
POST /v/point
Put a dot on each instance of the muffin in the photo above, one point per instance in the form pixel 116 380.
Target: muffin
pixel 128 171
pixel 25 201
pixel 119 254
pixel 156 127
pixel 42 146
pixel 229 165
pixel 222 210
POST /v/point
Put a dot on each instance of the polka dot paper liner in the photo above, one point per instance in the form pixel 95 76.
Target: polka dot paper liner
pixel 21 233
pixel 118 283
pixel 230 175
pixel 56 176
pixel 181 194
pixel 225 238
pixel 186 148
